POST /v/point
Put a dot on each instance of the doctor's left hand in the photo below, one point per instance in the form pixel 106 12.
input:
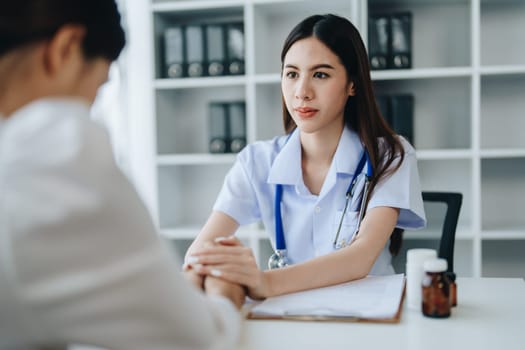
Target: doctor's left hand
pixel 229 260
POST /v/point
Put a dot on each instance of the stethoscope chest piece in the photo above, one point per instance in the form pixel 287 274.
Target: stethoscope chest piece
pixel 278 259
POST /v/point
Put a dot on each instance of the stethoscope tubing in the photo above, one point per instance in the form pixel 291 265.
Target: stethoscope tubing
pixel 280 243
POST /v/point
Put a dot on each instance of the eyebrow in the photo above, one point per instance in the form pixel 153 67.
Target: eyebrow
pixel 317 66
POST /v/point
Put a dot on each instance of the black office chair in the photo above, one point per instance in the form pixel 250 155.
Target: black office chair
pixel 447 238
pixel 453 201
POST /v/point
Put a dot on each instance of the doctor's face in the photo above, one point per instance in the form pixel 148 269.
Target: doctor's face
pixel 315 87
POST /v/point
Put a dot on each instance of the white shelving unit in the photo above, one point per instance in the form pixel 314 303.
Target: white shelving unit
pixel 468 79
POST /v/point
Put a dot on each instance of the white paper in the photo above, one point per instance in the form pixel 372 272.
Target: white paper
pixel 373 297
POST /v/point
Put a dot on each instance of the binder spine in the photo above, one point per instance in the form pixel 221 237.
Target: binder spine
pixel 237 124
pixel 174 52
pixel 378 41
pixel 218 127
pixel 402 115
pixel 401 40
pixel 194 40
pixel 235 41
pixel 215 49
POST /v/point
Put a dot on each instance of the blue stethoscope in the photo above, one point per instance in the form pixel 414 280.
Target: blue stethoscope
pixel 279 258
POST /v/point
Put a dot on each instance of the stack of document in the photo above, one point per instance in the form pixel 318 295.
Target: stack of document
pixel 372 298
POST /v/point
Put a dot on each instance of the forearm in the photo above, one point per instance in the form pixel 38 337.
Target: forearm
pixel 218 225
pixel 338 267
pixel 347 264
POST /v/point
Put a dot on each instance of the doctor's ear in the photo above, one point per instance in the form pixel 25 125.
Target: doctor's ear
pixel 351 88
pixel 64 49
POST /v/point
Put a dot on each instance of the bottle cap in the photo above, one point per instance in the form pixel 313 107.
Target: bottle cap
pixel 451 276
pixel 435 265
pixel 418 256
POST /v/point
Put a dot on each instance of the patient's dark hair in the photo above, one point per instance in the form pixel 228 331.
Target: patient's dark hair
pixel 23 22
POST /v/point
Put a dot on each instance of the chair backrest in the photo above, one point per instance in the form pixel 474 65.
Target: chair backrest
pixel 453 201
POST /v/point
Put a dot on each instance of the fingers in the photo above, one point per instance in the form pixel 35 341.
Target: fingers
pixel 228 241
pixel 232 273
pixel 220 250
pixel 220 259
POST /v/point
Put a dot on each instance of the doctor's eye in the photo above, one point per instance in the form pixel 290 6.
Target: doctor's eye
pixel 321 75
pixel 291 74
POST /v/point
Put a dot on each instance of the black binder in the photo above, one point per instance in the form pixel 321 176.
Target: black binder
pixel 402 115
pixel 401 41
pixel 218 127
pixel 194 40
pixel 378 41
pixel 174 52
pixel 383 102
pixel 235 42
pixel 237 124
pixel 215 49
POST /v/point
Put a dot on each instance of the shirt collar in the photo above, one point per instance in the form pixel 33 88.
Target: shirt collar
pixel 348 152
pixel 286 168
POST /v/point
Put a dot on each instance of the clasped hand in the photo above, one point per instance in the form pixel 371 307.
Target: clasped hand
pixel 227 259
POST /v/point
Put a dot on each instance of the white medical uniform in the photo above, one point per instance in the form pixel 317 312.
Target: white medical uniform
pixel 80 261
pixel 310 221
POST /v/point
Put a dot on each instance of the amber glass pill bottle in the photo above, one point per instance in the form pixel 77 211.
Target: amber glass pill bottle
pixel 435 289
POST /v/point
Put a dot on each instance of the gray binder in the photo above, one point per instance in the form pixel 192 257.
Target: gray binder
pixel 174 52
pixel 237 123
pixel 194 40
pixel 235 40
pixel 215 49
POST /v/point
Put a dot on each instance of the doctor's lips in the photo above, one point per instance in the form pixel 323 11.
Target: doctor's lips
pixel 306 112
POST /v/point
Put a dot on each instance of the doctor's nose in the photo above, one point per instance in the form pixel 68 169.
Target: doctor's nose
pixel 303 90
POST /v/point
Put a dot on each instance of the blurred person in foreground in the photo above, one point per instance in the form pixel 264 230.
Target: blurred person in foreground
pixel 80 262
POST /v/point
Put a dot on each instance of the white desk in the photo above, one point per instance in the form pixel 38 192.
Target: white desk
pixel 490 315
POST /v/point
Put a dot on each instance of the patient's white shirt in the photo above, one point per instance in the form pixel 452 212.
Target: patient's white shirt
pixel 79 258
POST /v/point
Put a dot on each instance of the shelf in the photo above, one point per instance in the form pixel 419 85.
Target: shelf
pixel 414 2
pixel 190 232
pixel 273 20
pixel 195 159
pixel 504 234
pixel 503 258
pixel 270 78
pixel 501 112
pixel 502 194
pixel 186 193
pixel 441 32
pixel 502 153
pixel 188 83
pixel 502 70
pixel 442 112
pixel 462 233
pixel 501 33
pixel 421 73
pixel 172 6
pixel 182 117
pixel 444 154
pixel 467 79
pixel 267 2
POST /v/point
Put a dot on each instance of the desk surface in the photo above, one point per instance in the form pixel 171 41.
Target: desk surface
pixel 490 315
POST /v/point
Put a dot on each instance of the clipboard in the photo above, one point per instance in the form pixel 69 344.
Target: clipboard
pixel 332 317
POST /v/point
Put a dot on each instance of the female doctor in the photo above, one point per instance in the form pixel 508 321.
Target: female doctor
pixel 331 191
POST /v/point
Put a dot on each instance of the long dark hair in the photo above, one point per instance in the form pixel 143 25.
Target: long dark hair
pixel 361 111
pixel 24 22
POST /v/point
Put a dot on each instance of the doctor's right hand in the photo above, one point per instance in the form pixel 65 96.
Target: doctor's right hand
pixel 229 260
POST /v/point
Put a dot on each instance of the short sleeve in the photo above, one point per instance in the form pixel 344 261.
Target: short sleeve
pixel 402 189
pixel 237 197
